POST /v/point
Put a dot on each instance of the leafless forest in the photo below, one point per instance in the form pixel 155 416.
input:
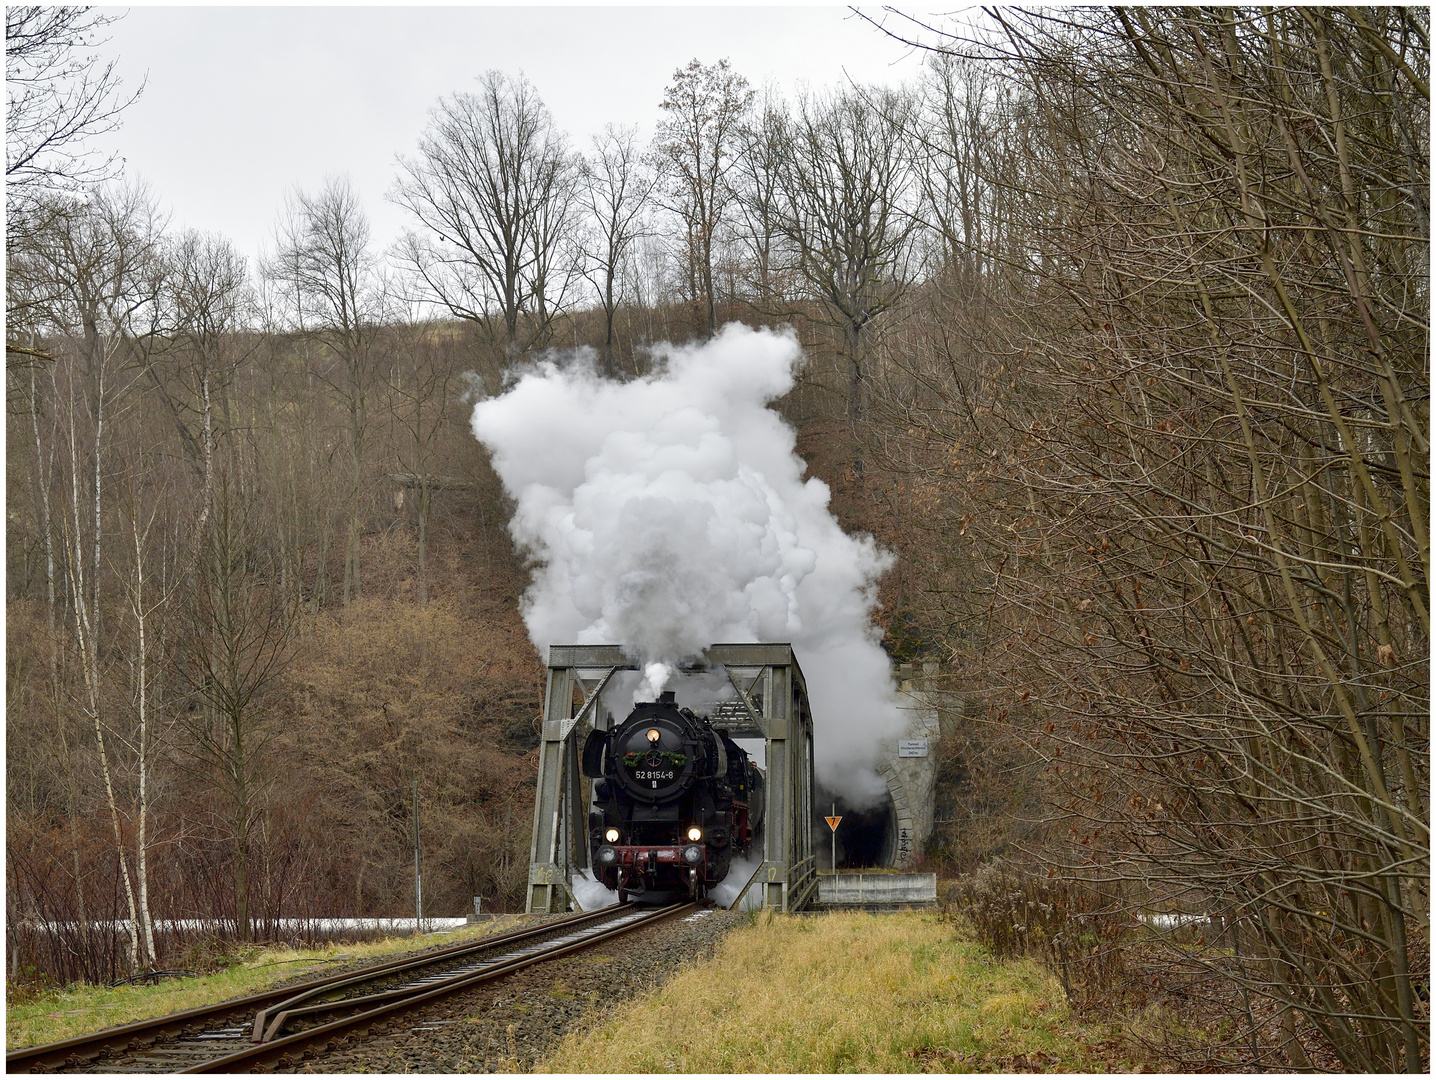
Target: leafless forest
pixel 1117 324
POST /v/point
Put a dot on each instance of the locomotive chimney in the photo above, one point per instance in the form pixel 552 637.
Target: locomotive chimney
pixel 668 697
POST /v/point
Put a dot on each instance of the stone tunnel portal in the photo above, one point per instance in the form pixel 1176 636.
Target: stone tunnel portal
pixel 890 833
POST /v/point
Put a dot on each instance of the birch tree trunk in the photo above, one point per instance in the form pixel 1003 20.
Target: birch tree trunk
pixel 52 644
pixel 142 700
pixel 86 590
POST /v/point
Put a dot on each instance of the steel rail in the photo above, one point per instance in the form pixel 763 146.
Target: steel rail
pixel 268 1052
pixel 304 993
pixel 88 1047
pixel 269 1021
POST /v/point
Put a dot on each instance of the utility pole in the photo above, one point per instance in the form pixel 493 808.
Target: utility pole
pixel 418 887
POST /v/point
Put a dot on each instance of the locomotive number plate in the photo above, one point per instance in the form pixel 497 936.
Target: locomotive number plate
pixel 655 774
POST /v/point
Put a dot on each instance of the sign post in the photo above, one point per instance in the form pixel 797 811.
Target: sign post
pixel 418 886
pixel 833 824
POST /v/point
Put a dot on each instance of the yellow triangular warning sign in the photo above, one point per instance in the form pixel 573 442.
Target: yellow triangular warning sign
pixel 833 822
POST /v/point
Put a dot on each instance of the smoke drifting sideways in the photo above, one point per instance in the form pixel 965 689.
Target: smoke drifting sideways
pixel 670 513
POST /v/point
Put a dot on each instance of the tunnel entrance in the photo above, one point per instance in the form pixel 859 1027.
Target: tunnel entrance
pixel 867 836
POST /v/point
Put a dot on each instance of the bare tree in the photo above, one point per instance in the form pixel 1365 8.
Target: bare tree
pixel 423 382
pixel 616 190
pixel 329 275
pixel 89 274
pixel 960 143
pixel 58 96
pixel 237 638
pixel 206 305
pixel 1189 459
pixel 652 281
pixel 697 142
pixel 755 187
pixel 150 580
pixel 844 182
pixel 492 190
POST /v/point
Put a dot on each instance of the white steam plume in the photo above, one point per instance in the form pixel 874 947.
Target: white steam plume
pixel 670 513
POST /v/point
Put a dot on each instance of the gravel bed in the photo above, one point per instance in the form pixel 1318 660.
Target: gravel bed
pixel 324 969
pixel 513 1022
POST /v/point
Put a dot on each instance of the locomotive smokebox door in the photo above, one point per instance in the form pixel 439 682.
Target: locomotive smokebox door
pixel 652 754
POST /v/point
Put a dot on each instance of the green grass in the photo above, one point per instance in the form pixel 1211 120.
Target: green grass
pixel 909 992
pixel 79 1010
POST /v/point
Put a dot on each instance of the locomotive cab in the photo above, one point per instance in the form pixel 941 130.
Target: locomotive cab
pixel 673 799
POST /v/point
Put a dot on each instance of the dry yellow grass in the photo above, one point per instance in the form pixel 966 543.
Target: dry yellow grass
pixel 841 993
pixel 77 1010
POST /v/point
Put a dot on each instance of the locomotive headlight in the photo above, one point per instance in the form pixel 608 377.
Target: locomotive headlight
pixel 695 833
pixel 606 855
pixel 693 854
pixel 611 836
pixel 654 735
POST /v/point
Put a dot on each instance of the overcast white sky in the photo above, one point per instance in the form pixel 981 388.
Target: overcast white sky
pixel 244 103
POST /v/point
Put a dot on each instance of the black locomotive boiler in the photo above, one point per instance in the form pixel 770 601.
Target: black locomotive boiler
pixel 674 800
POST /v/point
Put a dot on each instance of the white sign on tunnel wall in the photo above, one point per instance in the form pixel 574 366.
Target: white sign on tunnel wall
pixel 912 748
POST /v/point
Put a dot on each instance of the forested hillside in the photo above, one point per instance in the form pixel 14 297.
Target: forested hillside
pixel 1117 325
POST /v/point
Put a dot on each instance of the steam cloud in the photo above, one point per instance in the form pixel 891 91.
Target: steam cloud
pixel 670 513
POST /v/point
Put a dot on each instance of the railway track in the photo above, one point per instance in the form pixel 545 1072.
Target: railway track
pixel 281 1026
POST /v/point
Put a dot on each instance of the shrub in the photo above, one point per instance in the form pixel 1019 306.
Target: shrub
pixel 210 953
pixel 1070 926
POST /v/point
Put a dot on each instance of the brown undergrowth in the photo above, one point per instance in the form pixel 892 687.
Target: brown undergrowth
pixel 1167 992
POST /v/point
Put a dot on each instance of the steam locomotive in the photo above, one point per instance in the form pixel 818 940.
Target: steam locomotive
pixel 674 799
